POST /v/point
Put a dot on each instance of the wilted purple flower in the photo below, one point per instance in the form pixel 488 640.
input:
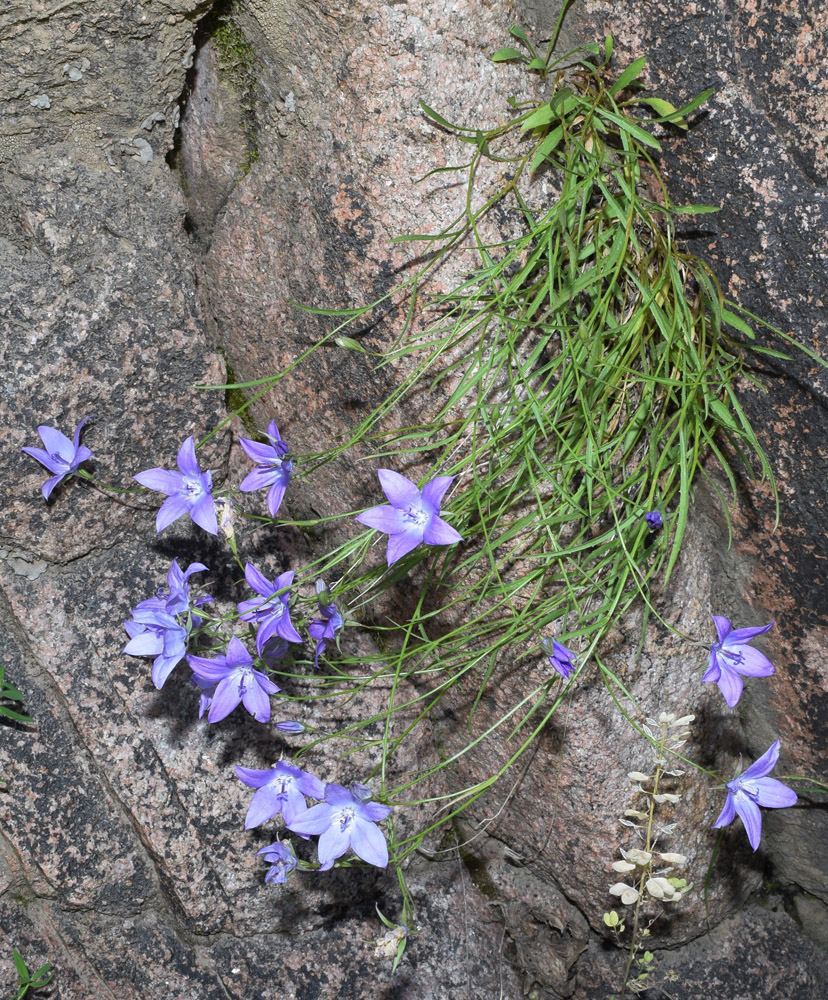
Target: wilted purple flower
pixel 344 821
pixel 289 727
pixel 654 520
pixel 731 659
pixel 273 467
pixel 324 629
pixel 281 789
pixel 559 656
pixel 188 491
pixel 272 615
pixel 752 789
pixel 236 681
pixel 411 516
pixel 156 633
pixel 281 859
pixel 60 456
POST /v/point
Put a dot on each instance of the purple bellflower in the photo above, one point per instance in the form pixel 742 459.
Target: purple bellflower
pixel 60 456
pixel 188 491
pixel 731 658
pixel 324 629
pixel 753 789
pixel 559 657
pixel 345 821
pixel 281 859
pixel 271 615
pixel 236 681
pixel 176 599
pixel 158 634
pixel 273 467
pixel 281 789
pixel 411 516
pixel 161 625
pixel 654 520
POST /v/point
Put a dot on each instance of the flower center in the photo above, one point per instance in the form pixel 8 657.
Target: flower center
pixel 345 818
pixel 417 516
pixel 284 783
pixel 194 489
pixel 733 655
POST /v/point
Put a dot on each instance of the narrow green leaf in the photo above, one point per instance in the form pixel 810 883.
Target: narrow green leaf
pixel 545 148
pixel 349 344
pixel 632 129
pixel 607 48
pixel 434 116
pixel 693 209
pixel 518 32
pixel 502 55
pixel 629 74
pixel 695 103
pixel 536 63
pixel 731 319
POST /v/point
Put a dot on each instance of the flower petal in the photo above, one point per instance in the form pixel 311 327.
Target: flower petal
pixel 440 532
pixel 161 480
pixel 315 821
pixel 728 813
pixel 57 443
pixel 78 429
pixel 144 644
pixel 741 635
pixel 730 684
pixel 713 669
pixel 402 542
pixel 254 777
pixel 754 663
pixel 258 479
pixel 722 626
pixel 46 459
pixel 772 794
pixel 333 843
pixel 163 667
pixel 762 765
pixel 368 843
pixel 170 510
pixel 50 484
pixel 434 492
pixel 225 699
pixel 256 702
pixel 256 581
pixel 211 671
pixel 751 817
pixel 187 461
pixel 265 804
pixel 384 518
pixel 275 495
pixel 262 454
pixel 203 512
pixel 401 492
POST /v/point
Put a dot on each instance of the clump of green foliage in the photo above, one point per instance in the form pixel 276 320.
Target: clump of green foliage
pixel 29 982
pixel 578 377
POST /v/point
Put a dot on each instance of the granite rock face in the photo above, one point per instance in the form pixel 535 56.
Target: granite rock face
pixel 175 174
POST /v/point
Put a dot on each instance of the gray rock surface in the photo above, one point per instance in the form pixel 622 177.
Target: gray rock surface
pixel 141 248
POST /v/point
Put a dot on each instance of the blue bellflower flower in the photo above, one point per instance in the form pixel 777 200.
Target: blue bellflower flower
pixel 281 789
pixel 61 456
pixel 236 681
pixel 731 658
pixel 753 789
pixel 411 516
pixel 273 467
pixel 559 657
pixel 156 633
pixel 324 629
pixel 345 822
pixel 281 859
pixel 269 612
pixel 188 491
